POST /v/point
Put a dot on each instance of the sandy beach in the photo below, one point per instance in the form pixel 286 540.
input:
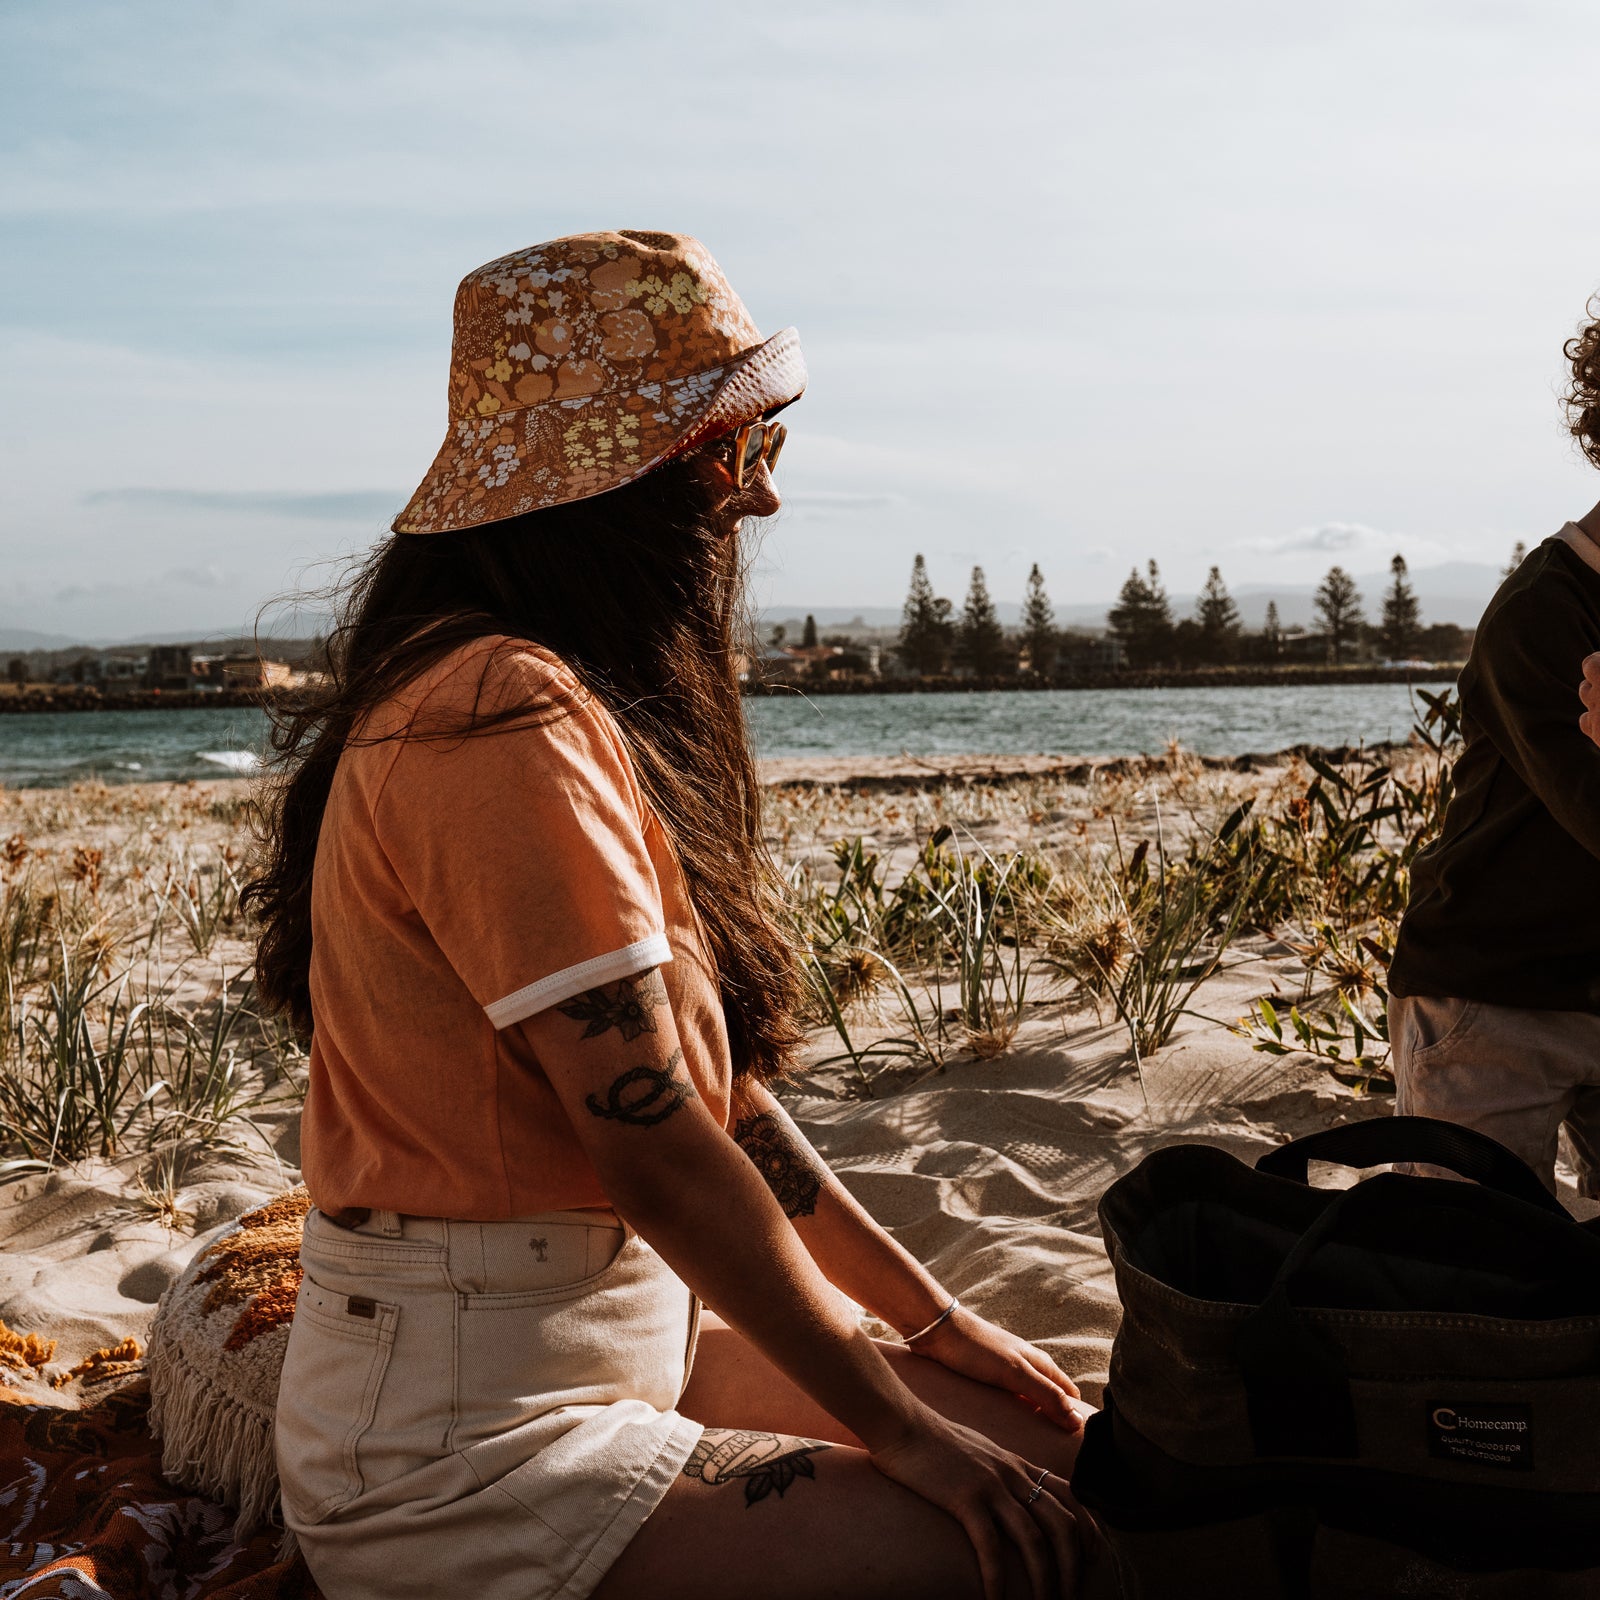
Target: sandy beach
pixel 985 1156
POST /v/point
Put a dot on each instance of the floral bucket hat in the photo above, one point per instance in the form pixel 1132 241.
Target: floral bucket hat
pixel 578 365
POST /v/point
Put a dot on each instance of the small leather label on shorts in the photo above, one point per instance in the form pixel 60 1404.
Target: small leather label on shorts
pixel 359 1306
pixel 1485 1433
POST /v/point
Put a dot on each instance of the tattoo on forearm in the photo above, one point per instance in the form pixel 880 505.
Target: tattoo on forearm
pixel 766 1462
pixel 644 1096
pixel 629 1005
pixel 787 1165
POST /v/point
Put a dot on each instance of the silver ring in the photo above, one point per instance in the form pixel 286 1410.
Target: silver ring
pixel 1038 1488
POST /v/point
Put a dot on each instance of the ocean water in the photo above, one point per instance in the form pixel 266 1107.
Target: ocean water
pixel 53 749
pixel 1084 722
pixel 143 746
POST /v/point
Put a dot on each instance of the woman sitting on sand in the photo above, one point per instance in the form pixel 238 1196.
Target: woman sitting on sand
pixel 516 888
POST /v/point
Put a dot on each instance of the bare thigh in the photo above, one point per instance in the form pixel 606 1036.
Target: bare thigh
pixel 734 1385
pixel 795 1508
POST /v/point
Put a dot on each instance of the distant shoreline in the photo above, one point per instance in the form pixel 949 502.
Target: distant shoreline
pixel 1145 678
pixel 44 703
pixel 901 774
pixel 33 702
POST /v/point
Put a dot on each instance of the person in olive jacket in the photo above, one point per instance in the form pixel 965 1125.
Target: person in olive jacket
pixel 1495 986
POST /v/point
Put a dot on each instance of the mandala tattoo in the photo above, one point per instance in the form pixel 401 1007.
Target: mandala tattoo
pixel 629 1005
pixel 644 1096
pixel 782 1160
pixel 766 1462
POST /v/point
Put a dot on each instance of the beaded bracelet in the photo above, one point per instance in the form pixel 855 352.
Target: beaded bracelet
pixel 948 1310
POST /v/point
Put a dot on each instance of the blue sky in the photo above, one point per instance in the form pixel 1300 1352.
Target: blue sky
pixel 1245 283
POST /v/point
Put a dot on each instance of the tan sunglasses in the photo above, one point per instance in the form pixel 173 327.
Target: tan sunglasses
pixel 754 443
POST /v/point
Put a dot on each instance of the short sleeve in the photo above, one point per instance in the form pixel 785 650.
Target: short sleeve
pixel 522 849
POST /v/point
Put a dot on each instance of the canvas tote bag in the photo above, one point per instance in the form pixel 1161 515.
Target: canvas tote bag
pixel 1392 1389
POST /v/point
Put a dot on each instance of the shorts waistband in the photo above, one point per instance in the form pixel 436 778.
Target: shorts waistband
pixel 377 1224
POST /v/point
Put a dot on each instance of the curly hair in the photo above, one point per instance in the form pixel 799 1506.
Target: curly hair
pixel 1583 398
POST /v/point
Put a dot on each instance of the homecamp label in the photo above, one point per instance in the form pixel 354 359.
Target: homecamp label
pixel 1485 1434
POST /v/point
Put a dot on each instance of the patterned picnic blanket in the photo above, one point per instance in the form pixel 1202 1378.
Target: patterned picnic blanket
pixel 85 1515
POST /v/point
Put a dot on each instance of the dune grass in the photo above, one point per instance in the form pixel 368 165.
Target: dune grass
pixel 930 921
pixel 127 1021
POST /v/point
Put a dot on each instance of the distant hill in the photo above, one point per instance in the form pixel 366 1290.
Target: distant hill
pixel 28 639
pixel 222 641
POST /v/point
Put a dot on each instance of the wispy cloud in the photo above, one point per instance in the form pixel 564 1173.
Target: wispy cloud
pixel 209 576
pixel 1353 542
pixel 830 502
pixel 1331 538
pixel 336 505
pixel 206 576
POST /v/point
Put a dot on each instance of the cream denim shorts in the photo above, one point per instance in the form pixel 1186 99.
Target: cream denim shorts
pixel 481 1409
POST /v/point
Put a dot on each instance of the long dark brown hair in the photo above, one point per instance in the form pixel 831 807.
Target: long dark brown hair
pixel 640 592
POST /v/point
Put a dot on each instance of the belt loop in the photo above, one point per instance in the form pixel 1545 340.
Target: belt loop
pixel 388 1223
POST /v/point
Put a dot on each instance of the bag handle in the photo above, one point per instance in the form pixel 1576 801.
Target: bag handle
pixel 1297 1388
pixel 1381 1140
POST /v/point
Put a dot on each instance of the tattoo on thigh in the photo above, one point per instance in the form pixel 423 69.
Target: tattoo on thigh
pixel 644 1096
pixel 788 1167
pixel 629 1005
pixel 766 1463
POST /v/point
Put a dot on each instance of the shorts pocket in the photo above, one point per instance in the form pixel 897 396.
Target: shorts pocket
pixel 523 1355
pixel 1436 1025
pixel 547 1269
pixel 339 1352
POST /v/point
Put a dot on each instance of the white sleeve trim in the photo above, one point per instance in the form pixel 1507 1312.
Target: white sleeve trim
pixel 536 997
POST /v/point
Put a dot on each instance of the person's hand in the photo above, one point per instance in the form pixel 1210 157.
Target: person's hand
pixel 990 1492
pixel 1589 693
pixel 965 1343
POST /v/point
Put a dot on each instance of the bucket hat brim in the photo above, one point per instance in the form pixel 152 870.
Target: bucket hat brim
pixel 508 460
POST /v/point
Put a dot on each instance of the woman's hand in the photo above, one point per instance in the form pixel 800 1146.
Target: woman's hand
pixel 991 1493
pixel 965 1343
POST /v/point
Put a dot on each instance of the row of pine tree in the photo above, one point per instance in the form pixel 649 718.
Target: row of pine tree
pixel 934 638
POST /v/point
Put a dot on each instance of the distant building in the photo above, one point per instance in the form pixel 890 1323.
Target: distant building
pixel 1090 652
pixel 170 666
pixel 120 671
pixel 252 672
pixel 1299 644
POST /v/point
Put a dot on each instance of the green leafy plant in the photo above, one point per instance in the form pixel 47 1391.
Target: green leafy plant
pixel 1349 1030
pixel 1354 1044
pixel 1185 916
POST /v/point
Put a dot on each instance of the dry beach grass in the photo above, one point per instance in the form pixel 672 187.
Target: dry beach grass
pixel 1019 983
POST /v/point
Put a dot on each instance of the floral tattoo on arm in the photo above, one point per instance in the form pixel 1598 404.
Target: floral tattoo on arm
pixel 629 1006
pixel 643 1096
pixel 786 1163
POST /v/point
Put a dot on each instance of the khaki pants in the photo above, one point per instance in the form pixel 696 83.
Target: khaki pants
pixel 481 1409
pixel 1516 1075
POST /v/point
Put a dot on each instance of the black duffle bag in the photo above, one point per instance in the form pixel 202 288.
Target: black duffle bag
pixel 1391 1389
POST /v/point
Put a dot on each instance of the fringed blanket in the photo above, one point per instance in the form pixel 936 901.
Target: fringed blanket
pixel 85 1515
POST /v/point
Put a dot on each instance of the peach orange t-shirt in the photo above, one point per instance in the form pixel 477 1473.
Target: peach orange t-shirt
pixel 462 884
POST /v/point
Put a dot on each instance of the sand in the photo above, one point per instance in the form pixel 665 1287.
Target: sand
pixel 988 1170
